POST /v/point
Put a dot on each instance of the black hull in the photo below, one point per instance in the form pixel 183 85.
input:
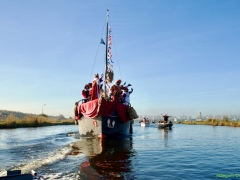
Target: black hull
pixel 16 175
pixel 166 125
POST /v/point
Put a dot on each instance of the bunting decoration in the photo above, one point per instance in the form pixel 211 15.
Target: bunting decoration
pixel 109 73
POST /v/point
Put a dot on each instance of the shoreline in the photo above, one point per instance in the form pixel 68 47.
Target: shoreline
pixel 11 122
pixel 213 122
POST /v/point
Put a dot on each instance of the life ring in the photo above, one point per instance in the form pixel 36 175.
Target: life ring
pixel 95 123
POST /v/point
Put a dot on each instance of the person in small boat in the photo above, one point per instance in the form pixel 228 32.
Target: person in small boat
pixel 147 121
pixel 165 119
pixel 96 87
pixel 85 93
pixel 126 96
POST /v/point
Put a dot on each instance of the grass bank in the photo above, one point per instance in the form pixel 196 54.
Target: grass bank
pixel 32 121
pixel 214 122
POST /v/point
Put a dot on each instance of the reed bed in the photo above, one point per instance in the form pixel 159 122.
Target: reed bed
pixel 32 121
pixel 214 122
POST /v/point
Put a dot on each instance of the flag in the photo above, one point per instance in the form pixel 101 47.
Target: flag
pixel 102 41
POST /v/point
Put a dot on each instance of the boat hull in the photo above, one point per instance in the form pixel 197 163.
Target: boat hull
pixel 16 175
pixel 145 124
pixel 103 127
pixel 165 125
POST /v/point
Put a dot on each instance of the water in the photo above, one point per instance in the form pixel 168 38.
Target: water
pixel 35 148
pixel 185 152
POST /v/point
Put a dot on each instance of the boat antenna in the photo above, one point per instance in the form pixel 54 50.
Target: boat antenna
pixel 105 74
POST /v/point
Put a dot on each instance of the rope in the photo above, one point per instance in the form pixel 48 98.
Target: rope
pixel 104 55
pixel 96 54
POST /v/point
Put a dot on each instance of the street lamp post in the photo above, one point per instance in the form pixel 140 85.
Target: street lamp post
pixel 42 108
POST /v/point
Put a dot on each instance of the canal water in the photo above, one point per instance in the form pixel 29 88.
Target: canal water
pixel 185 152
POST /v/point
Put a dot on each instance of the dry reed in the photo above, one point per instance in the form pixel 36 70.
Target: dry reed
pixel 32 121
pixel 214 122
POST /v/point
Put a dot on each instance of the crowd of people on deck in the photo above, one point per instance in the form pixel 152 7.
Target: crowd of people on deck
pixel 117 92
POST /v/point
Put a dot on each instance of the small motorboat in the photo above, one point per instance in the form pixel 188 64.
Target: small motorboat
pixel 165 125
pixel 144 124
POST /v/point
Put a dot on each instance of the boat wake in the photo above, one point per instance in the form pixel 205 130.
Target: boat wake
pixel 35 164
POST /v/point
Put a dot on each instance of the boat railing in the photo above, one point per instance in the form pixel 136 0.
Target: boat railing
pixel 83 100
pixel 127 103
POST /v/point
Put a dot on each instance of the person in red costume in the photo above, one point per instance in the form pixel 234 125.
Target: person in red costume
pixel 85 93
pixel 96 87
pixel 116 90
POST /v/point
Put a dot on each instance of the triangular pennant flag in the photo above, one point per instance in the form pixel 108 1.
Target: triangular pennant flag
pixel 102 41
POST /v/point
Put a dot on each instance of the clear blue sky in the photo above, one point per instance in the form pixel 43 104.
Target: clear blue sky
pixel 181 57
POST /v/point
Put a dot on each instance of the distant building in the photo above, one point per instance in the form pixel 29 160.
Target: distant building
pixel 199 116
pixel 3 115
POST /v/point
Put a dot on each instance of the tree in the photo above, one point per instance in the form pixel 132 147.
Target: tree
pixel 44 115
pixel 225 118
pixel 61 116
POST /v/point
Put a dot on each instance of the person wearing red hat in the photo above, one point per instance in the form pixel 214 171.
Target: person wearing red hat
pixel 118 82
pixel 116 91
pixel 96 87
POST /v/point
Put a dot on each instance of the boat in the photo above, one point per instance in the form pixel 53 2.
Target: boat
pixel 105 116
pixel 145 122
pixel 17 175
pixel 165 123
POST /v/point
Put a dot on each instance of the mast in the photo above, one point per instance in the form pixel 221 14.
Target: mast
pixel 105 76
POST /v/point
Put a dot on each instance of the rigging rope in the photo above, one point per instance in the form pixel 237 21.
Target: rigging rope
pixel 96 54
pixel 104 55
